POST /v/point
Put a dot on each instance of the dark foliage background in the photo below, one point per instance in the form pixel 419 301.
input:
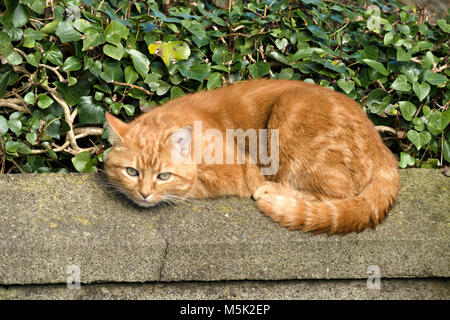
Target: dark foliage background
pixel 64 65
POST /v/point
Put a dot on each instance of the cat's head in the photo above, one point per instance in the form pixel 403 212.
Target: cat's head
pixel 150 159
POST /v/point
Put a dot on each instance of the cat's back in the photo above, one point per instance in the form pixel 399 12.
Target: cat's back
pixel 256 91
pixel 249 103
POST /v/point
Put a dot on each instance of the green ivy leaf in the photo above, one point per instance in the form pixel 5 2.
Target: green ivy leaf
pixel 317 32
pixel 347 86
pixel 93 37
pixel 194 68
pixel 38 6
pixel 72 81
pixel 14 58
pixel 3 125
pixel 90 111
pixel 436 79
pixel 12 147
pixel 443 25
pixel 66 32
pixel 130 75
pixel 72 64
pixel 176 92
pixel 428 60
pixel 112 70
pixel 98 96
pixel 5 44
pixel 421 90
pixel 259 69
pixel 30 36
pixel 115 32
pixel 195 28
pixel 73 93
pixel 83 163
pixel 116 107
pixel 31 137
pixel 53 55
pixel 129 109
pixel 34 58
pixel 286 73
pixel 23 148
pixel 446 150
pixel 389 38
pixel 29 98
pixel 16 14
pixel 401 84
pixel 44 101
pixel 403 28
pixel 402 55
pixel 15 125
pixel 378 100
pixel 408 109
pixel 411 71
pixel 437 122
pixel 140 62
pixel 406 160
pixel 281 44
pixel 163 87
pixel 418 139
pixel 115 52
pixel 377 66
pixel 418 124
pixel 51 153
pixel 214 80
pixel 162 16
pixel 50 27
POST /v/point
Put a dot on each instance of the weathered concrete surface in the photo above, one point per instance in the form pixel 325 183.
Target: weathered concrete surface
pixel 50 221
pixel 398 289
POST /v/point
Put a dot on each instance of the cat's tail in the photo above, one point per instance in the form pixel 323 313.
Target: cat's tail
pixel 367 209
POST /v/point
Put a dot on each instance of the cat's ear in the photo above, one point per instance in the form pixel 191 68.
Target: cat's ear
pixel 181 142
pixel 116 128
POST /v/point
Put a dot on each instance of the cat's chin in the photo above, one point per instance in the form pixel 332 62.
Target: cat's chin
pixel 145 204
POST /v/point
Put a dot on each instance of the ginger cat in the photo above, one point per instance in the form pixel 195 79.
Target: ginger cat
pixel 332 172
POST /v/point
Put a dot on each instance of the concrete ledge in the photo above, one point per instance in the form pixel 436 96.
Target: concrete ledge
pixel 51 221
pixel 394 289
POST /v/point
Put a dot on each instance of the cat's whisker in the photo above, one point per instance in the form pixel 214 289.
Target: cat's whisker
pixel 111 185
pixel 165 203
pixel 175 199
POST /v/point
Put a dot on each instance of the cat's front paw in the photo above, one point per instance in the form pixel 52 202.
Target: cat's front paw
pixel 269 200
pixel 266 188
pixel 277 203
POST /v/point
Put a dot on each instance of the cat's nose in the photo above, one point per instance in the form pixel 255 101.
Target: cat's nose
pixel 144 195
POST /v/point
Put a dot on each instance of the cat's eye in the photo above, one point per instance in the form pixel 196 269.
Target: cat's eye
pixel 132 172
pixel 164 175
